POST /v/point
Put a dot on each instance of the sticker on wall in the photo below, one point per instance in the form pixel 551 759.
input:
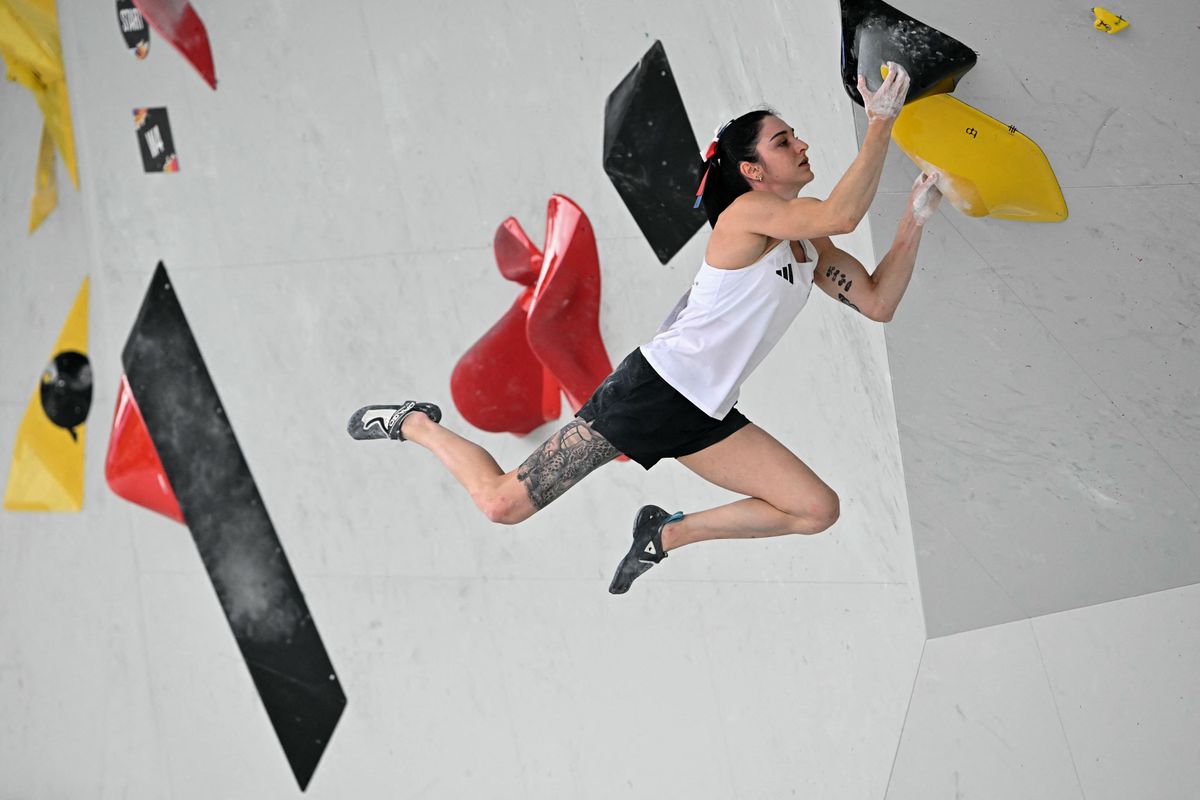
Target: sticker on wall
pixel 154 140
pixel 191 443
pixel 133 28
pixel 47 462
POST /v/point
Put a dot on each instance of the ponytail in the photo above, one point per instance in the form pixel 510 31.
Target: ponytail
pixel 735 142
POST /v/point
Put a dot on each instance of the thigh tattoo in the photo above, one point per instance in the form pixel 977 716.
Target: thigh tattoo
pixel 563 461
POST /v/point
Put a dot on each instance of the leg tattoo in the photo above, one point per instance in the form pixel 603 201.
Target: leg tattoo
pixel 563 461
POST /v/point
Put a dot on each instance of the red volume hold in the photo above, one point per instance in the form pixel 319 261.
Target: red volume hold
pixel 564 318
pixel 548 342
pixel 180 25
pixel 132 467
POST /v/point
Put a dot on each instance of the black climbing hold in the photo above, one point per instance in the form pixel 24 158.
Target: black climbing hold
pixel 874 33
pixel 651 156
pixel 235 537
pixel 66 391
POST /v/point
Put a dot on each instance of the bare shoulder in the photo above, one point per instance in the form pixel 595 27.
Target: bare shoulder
pixel 731 245
pixel 784 219
pixel 750 207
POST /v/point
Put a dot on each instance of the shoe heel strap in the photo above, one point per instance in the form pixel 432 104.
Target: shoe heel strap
pixel 402 415
pixel 657 538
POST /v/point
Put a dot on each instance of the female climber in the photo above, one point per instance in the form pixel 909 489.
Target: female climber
pixel 674 396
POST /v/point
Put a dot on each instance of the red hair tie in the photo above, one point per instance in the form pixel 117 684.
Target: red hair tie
pixel 708 157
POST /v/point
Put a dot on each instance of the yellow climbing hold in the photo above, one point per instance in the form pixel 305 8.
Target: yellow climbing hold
pixel 47 462
pixel 45 187
pixel 1109 22
pixel 988 168
pixel 32 53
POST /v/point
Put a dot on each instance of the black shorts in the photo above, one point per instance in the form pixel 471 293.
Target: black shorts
pixel 645 418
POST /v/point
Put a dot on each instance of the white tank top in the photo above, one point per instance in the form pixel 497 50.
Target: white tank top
pixel 727 323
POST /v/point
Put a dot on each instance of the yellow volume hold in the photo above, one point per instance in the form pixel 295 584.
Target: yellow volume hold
pixel 988 168
pixel 47 461
pixel 32 51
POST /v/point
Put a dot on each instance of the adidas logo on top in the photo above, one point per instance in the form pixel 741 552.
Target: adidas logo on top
pixel 785 273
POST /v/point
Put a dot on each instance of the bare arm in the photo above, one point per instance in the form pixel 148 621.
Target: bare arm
pixel 877 295
pixel 764 214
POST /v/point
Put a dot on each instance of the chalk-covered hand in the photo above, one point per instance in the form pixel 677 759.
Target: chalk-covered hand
pixel 885 102
pixel 925 197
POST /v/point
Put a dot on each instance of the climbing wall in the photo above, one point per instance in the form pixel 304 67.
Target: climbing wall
pixel 325 219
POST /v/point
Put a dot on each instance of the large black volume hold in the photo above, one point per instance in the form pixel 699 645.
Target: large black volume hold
pixel 229 523
pixel 874 33
pixel 650 154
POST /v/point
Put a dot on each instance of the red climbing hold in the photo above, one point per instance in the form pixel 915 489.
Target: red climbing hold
pixel 499 385
pixel 564 318
pixel 178 23
pixel 549 340
pixel 518 258
pixel 132 468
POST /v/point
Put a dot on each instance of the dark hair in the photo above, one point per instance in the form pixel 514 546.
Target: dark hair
pixel 737 142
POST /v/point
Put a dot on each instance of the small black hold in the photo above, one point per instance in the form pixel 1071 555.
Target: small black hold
pixel 66 391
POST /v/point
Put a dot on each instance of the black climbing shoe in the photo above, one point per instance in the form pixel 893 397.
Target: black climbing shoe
pixel 383 422
pixel 647 549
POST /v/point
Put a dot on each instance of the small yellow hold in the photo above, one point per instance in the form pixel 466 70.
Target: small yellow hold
pixel 1109 22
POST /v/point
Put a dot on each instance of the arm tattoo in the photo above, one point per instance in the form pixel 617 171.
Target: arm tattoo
pixel 835 274
pixel 562 461
pixel 839 277
pixel 846 300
